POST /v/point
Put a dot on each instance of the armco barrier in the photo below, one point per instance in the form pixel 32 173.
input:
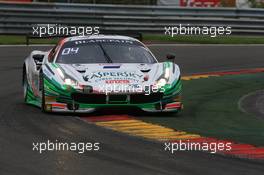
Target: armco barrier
pixel 19 18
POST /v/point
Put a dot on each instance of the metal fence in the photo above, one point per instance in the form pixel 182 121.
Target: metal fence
pixel 19 18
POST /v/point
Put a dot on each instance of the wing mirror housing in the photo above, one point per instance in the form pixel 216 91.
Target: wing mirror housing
pixel 38 58
pixel 170 57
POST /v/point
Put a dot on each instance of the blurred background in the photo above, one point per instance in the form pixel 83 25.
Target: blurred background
pixel 181 3
pixel 147 19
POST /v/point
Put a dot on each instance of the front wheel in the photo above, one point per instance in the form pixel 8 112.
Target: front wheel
pixel 25 87
pixel 43 100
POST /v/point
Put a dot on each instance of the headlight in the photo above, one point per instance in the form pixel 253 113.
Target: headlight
pixel 162 82
pixel 60 73
pixel 167 73
pixel 70 82
pixel 163 79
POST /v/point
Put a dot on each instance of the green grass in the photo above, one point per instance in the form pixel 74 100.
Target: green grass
pixel 211 109
pixel 11 39
pixel 204 39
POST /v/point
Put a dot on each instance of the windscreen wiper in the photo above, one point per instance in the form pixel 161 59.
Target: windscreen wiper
pixel 108 59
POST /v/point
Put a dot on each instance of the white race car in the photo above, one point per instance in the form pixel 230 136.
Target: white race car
pixel 81 74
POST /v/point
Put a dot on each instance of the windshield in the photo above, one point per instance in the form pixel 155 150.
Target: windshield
pixel 104 51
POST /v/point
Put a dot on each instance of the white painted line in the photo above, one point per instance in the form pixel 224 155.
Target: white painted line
pixel 242 99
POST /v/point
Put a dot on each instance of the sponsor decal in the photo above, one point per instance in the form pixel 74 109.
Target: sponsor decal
pixel 117 81
pixel 202 3
pixel 103 41
pixel 113 75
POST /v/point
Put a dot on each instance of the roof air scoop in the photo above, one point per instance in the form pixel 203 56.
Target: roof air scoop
pixel 81 71
pixel 144 68
pixel 80 68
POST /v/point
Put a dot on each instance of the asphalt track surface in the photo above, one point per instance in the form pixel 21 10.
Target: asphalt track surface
pixel 21 124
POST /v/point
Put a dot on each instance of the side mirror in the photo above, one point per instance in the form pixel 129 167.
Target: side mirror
pixel 38 58
pixel 170 57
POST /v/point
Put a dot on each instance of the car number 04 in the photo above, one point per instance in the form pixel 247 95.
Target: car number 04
pixel 68 51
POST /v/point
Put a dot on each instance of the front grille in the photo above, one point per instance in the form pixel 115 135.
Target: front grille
pixel 89 98
pixel 142 98
pixel 117 98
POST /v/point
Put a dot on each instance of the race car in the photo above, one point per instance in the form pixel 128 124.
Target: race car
pixel 84 73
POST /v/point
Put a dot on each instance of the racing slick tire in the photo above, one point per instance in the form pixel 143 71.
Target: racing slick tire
pixel 43 101
pixel 25 86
